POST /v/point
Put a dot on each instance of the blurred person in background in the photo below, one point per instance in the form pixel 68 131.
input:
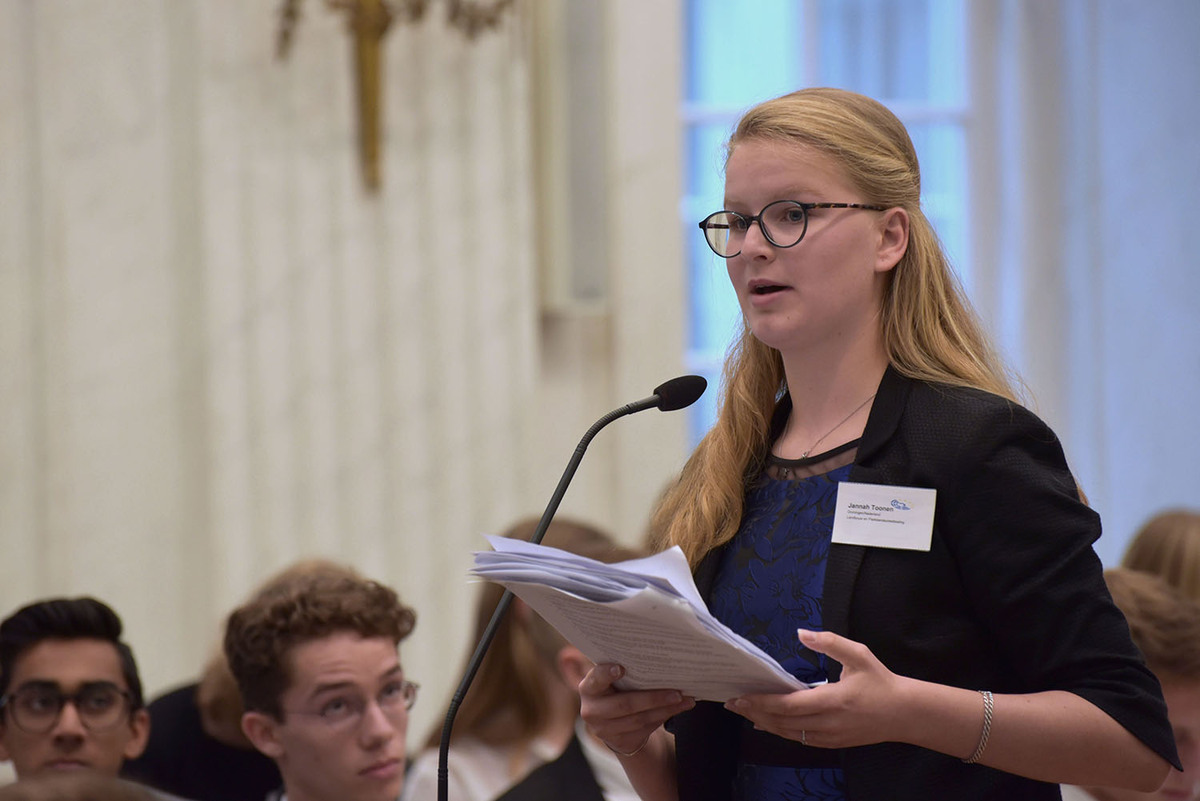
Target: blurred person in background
pixel 1168 545
pixel 318 667
pixel 70 694
pixel 1166 628
pixel 518 735
pixel 197 748
pixel 76 786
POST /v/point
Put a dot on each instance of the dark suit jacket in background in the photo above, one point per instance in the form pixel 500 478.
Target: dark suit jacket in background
pixel 182 759
pixel 568 778
pixel 1009 598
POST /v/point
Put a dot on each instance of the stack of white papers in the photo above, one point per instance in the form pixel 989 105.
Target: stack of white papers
pixel 643 614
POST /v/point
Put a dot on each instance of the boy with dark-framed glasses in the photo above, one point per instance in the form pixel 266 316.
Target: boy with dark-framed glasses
pixel 70 695
pixel 319 672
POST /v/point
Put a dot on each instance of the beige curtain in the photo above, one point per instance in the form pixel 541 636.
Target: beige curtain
pixel 1085 184
pixel 218 354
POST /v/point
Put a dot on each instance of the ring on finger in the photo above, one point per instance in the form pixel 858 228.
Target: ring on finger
pixel 803 737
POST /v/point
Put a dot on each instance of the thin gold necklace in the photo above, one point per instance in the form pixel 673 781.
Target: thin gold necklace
pixel 841 423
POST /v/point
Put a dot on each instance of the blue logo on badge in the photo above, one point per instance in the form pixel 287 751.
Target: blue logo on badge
pixel 901 505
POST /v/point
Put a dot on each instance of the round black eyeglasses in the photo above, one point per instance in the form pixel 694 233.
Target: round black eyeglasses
pixel 36 710
pixel 783 222
pixel 349 710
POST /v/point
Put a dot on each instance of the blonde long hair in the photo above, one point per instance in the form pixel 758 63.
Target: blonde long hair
pixel 1165 624
pixel 1168 545
pixel 929 329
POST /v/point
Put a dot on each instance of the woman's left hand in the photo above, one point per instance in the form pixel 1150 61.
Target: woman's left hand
pixel 864 707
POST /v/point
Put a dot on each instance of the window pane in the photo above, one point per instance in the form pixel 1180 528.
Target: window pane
pixel 741 53
pixel 892 50
pixel 906 53
pixel 942 150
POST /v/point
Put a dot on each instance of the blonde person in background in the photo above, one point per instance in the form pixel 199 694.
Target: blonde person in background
pixel 1168 545
pixel 1166 628
pixel 521 714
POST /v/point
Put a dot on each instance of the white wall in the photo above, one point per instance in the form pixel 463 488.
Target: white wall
pixel 218 354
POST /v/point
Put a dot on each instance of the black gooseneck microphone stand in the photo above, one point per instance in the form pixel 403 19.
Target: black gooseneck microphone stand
pixel 677 393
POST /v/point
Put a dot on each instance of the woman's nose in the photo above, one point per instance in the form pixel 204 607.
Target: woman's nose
pixel 755 242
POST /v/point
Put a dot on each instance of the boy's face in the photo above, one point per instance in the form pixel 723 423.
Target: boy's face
pixel 342 732
pixel 70 741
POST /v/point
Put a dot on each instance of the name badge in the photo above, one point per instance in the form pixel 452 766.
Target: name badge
pixel 881 516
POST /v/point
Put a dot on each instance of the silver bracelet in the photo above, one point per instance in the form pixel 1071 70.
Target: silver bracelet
pixel 987 728
pixel 626 753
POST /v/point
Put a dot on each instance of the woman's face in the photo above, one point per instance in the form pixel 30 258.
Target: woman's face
pixel 827 290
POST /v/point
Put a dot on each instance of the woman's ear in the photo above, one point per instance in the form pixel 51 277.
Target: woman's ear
pixel 263 731
pixel 893 239
pixel 573 665
pixel 521 611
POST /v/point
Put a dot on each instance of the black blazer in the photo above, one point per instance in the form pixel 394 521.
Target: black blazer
pixel 184 760
pixel 1010 597
pixel 567 777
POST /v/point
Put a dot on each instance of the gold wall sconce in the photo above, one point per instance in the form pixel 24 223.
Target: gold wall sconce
pixel 368 22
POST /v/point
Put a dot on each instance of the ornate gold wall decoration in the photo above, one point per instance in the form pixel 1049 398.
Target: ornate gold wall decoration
pixel 368 22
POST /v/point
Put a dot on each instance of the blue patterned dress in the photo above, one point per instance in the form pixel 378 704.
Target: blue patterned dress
pixel 769 583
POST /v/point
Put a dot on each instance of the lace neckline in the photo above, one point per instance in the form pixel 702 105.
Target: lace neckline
pixel 809 461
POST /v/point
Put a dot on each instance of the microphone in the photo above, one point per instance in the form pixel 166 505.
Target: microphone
pixel 678 393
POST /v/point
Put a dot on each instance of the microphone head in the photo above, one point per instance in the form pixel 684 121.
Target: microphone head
pixel 680 392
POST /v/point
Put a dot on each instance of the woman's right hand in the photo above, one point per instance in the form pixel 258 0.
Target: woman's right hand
pixel 625 720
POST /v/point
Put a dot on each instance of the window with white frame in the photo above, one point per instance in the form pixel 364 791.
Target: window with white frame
pixel 908 54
